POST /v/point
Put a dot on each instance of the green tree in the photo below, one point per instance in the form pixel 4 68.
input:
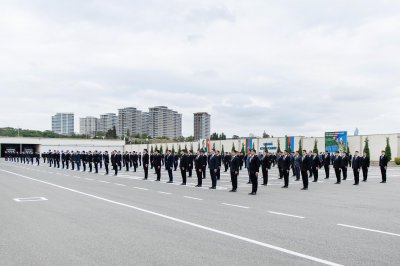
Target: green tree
pixel 161 150
pixel 173 148
pixel 388 150
pixel 222 136
pixel 315 150
pixel 156 147
pixel 189 139
pixel 179 149
pixel 366 147
pixel 242 151
pixel 348 148
pixel 151 149
pixel 191 147
pixel 198 146
pixel 233 146
pixel 279 146
pixel 222 149
pixel 300 147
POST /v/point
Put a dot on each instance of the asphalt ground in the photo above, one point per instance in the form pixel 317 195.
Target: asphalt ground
pixel 51 216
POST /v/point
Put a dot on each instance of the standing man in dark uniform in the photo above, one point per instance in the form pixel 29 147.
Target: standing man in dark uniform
pixel 90 160
pixel 345 164
pixel 213 165
pixel 304 170
pixel 157 164
pixel 265 165
pixel 337 165
pixel 190 162
pixel 204 165
pixel 365 162
pixel 297 165
pixel 183 165
pixel 84 160
pixel 219 158
pixel 327 162
pixel 279 162
pixel 146 159
pixel 198 166
pixel 234 162
pixel 286 168
pixel 316 166
pixel 169 165
pixel 67 159
pixel 106 159
pixel 383 162
pixel 254 167
pixel 114 162
pixel 96 160
pixel 63 159
pixel 126 158
pixel 356 165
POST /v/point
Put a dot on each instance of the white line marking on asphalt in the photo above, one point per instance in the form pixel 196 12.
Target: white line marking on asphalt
pixel 285 214
pixel 192 198
pixel 90 179
pixel 206 228
pixel 66 175
pixel 117 184
pixel 166 193
pixel 76 176
pixel 30 199
pixel 371 230
pixel 233 205
pixel 104 182
pixel 140 188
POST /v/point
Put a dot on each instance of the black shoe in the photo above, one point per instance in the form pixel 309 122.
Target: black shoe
pixel 115 175
pixel 248 182
pixel 304 188
pixel 326 177
pixel 199 186
pixel 169 182
pixel 183 184
pixel 297 180
pixel 157 180
pixel 314 181
pixel 284 187
pixel 144 178
pixel 212 187
pixel 264 184
pixel 204 178
pixel 383 182
pixel 233 190
pixel 337 183
pixel 280 177
pixel 252 193
pixel 344 179
pixel 364 180
pixel 355 184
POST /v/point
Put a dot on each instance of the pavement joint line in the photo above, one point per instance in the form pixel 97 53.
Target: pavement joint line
pixel 195 225
pixel 90 179
pixel 188 197
pixel 233 205
pixel 118 184
pixel 285 214
pixel 141 188
pixel 367 229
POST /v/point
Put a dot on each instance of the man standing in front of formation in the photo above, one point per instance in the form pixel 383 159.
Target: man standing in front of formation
pixel 254 167
pixel 234 168
pixel 146 159
pixel 365 162
pixel 383 161
pixel 356 165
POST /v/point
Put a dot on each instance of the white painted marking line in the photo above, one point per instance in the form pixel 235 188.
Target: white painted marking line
pixel 66 175
pixel 233 205
pixel 206 228
pixel 117 184
pixel 285 214
pixel 90 179
pixel 192 198
pixel 166 193
pixel 104 181
pixel 30 199
pixel 371 230
pixel 76 176
pixel 140 188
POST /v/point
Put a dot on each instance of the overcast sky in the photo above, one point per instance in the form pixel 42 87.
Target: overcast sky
pixel 287 67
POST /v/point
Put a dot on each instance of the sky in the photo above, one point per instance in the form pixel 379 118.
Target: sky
pixel 286 67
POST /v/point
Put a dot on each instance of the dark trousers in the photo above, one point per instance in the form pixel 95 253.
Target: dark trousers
pixel 90 167
pixel 63 164
pixel 286 177
pixel 146 172
pixel 254 182
pixel 337 173
pixel 203 170
pixel 78 166
pixel 383 172
pixel 344 170
pixel 170 175
pixel 158 172
pixel 218 173
pixel 183 173
pixel 115 167
pixel 72 165
pixel 199 177
pixel 101 164
pixel 96 167
pixel 213 177
pixel 190 170
pixel 120 165
pixel 234 177
pixel 297 171
pixel 84 166
pixel 365 173
pixel 280 172
pixel 106 166
pixel 226 167
pixel 315 173
pixel 304 178
pixel 326 171
pixel 67 164
pixel 265 176
pixel 127 166
pixel 356 173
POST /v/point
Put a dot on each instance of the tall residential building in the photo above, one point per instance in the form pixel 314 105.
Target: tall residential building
pixel 129 121
pixel 107 122
pixel 146 123
pixel 63 123
pixel 165 122
pixel 202 125
pixel 88 126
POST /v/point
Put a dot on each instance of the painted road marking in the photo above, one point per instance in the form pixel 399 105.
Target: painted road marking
pixel 233 205
pixel 90 179
pixel 166 193
pixel 30 199
pixel 206 228
pixel 285 214
pixel 371 230
pixel 140 188
pixel 118 184
pixel 192 198
pixel 103 181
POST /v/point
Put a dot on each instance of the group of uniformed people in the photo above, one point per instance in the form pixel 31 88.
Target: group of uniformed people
pixel 304 166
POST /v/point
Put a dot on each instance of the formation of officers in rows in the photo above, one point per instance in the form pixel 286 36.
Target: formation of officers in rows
pixel 303 166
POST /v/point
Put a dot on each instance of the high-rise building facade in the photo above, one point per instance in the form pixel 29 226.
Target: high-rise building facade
pixel 63 123
pixel 165 122
pixel 129 121
pixel 202 123
pixel 107 122
pixel 88 126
